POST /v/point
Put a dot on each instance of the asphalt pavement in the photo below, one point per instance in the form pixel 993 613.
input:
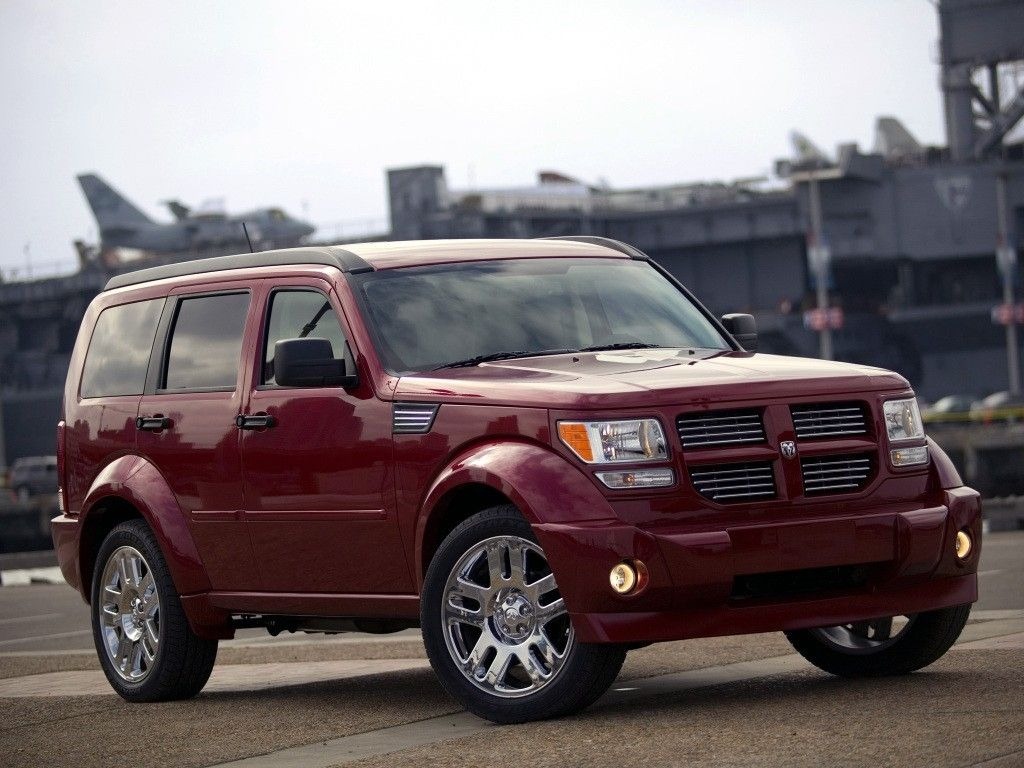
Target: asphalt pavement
pixel 364 700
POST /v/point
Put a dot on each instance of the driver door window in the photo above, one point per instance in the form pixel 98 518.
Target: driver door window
pixel 302 314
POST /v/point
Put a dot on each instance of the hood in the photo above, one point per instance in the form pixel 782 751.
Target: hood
pixel 644 377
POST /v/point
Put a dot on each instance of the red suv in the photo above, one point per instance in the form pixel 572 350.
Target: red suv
pixel 543 453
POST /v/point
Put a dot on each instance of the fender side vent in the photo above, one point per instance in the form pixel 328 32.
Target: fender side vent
pixel 413 418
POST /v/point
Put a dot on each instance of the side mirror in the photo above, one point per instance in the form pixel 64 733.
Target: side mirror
pixel 309 363
pixel 743 328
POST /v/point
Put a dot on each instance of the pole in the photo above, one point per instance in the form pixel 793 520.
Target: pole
pixel 3 438
pixel 819 266
pixel 1008 263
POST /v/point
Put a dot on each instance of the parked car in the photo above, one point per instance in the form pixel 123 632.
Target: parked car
pixel 542 453
pixel 32 476
pixel 999 406
pixel 951 408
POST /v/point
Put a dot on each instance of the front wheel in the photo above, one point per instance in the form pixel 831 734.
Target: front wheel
pixel 146 647
pixel 497 631
pixel 895 645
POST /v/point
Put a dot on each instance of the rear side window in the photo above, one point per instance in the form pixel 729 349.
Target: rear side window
pixel 119 350
pixel 206 342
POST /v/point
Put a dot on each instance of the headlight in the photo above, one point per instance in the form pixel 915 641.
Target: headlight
pixel 606 442
pixel 902 420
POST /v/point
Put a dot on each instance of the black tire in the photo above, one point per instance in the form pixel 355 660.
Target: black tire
pixel 586 673
pixel 183 661
pixel 923 642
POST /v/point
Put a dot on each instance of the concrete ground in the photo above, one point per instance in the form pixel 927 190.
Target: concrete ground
pixel 358 700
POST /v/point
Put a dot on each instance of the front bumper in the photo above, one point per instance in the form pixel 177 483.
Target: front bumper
pixel 765 577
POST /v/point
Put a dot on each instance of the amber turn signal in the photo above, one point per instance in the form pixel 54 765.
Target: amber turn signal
pixel 575 436
pixel 963 545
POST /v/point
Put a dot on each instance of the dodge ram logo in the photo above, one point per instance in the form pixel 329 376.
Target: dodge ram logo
pixel 788 449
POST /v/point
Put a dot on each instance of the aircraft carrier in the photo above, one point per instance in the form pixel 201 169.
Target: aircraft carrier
pixel 912 231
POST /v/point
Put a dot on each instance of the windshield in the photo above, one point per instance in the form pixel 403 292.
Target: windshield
pixel 429 317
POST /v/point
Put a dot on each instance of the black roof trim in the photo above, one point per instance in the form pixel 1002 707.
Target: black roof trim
pixel 607 242
pixel 344 260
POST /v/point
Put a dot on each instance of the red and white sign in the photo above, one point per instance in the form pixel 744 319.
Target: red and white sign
pixel 1004 314
pixel 820 319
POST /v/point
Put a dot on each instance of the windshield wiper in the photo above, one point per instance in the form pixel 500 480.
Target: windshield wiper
pixel 620 345
pixel 471 361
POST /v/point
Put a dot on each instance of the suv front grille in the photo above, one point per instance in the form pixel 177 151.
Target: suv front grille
pixel 720 428
pixel 828 420
pixel 734 483
pixel 835 474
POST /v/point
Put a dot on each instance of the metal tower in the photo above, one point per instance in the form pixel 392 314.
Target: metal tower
pixel 982 58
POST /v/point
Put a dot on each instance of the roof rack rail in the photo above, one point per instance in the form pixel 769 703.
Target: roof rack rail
pixel 607 242
pixel 344 260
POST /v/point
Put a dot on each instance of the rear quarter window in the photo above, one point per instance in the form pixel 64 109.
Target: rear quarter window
pixel 119 350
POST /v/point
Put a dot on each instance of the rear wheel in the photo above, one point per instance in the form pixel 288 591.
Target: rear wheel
pixel 497 630
pixel 895 645
pixel 145 645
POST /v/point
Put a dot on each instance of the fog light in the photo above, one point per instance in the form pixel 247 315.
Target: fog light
pixel 623 578
pixel 963 545
pixel 906 457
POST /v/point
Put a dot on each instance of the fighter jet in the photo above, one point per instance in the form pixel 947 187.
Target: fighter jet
pixel 123 225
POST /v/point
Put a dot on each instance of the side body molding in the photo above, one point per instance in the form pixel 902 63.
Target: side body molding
pixel 138 482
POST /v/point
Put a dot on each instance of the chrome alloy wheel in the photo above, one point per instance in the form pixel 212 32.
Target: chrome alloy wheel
pixel 129 613
pixel 505 623
pixel 864 637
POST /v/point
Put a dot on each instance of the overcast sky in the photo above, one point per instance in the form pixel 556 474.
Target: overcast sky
pixel 304 105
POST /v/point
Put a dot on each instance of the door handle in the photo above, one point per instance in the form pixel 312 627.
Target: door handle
pixel 256 421
pixel 152 423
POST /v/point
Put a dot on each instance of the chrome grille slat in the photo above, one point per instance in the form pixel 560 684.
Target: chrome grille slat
pixel 852 409
pixel 842 487
pixel 751 416
pixel 721 496
pixel 835 474
pixel 412 418
pixel 712 485
pixel 823 473
pixel 820 416
pixel 720 428
pixel 721 490
pixel 835 433
pixel 717 472
pixel 720 431
pixel 732 442
pixel 829 420
pixel 819 462
pixel 722 482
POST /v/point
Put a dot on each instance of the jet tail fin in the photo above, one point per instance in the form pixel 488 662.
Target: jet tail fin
pixel 111 209
pixel 179 209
